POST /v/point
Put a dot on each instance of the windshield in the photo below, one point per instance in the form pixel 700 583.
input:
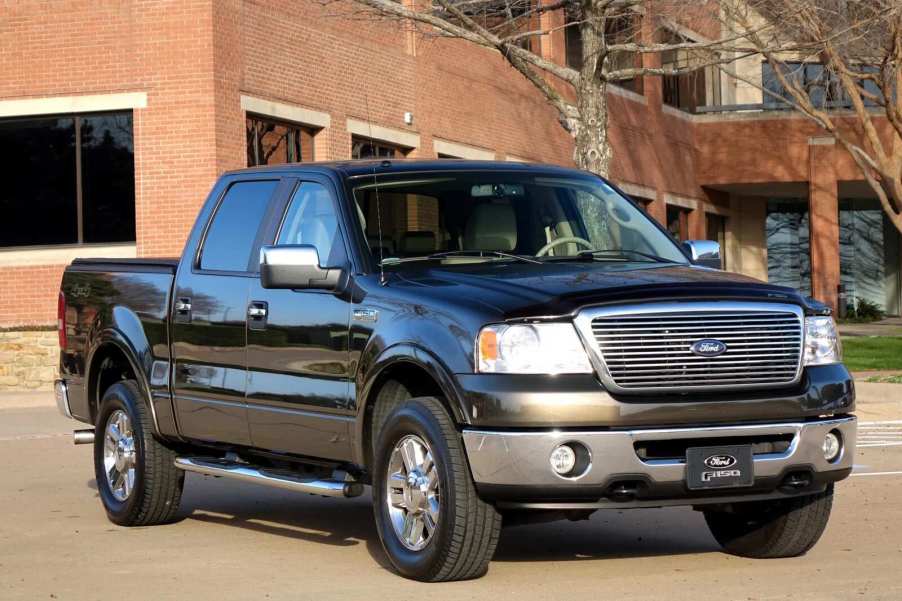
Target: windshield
pixel 459 217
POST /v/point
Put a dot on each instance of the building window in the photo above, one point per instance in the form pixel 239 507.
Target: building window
pixel 678 222
pixel 272 142
pixel 67 180
pixel 692 89
pixel 788 244
pixel 822 86
pixel 619 30
pixel 868 255
pixel 641 201
pixel 363 148
pixel 716 230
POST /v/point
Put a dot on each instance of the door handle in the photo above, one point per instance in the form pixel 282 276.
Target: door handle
pixel 183 310
pixel 256 315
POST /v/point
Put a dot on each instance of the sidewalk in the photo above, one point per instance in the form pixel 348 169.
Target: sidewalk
pixel 891 326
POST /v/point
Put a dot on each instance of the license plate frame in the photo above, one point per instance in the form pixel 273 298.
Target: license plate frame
pixel 719 467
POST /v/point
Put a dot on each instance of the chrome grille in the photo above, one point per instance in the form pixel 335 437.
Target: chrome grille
pixel 647 347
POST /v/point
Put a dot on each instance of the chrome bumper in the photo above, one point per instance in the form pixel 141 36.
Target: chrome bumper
pixel 522 458
pixel 62 398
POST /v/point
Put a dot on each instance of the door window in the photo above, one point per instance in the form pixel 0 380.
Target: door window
pixel 311 219
pixel 230 238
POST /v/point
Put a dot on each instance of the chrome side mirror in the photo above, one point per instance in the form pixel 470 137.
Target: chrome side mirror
pixel 296 267
pixel 704 252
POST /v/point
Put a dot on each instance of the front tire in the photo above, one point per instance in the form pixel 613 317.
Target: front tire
pixel 431 522
pixel 772 529
pixel 137 480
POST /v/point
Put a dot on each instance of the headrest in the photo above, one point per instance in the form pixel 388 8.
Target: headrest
pixel 491 227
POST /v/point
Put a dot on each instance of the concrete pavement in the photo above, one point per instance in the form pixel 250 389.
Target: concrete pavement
pixel 248 542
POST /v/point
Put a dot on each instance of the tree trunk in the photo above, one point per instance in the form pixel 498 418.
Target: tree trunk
pixel 591 148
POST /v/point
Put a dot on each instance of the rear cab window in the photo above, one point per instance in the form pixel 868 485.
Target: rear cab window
pixel 233 230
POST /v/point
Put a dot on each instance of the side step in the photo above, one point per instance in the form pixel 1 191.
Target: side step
pixel 268 477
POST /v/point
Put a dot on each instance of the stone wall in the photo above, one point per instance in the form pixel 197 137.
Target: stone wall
pixel 28 359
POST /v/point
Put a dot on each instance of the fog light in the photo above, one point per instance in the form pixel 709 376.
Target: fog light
pixel 563 460
pixel 832 446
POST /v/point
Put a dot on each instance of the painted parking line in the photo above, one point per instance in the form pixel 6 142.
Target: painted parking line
pixel 861 474
pixel 887 433
pixel 34 436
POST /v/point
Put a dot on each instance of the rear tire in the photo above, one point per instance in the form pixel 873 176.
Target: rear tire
pixel 772 529
pixel 459 541
pixel 138 482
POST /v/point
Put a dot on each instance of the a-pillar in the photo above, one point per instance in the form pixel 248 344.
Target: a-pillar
pixel 823 219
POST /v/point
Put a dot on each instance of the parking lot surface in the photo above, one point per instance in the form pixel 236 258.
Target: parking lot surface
pixel 240 541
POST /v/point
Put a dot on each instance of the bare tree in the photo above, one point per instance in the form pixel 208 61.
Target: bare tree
pixel 612 37
pixel 839 63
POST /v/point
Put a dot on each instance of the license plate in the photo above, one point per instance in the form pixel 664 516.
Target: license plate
pixel 719 467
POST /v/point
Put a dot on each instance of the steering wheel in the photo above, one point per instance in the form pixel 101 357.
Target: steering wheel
pixel 566 240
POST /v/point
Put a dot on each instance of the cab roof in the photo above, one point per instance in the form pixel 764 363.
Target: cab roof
pixel 364 167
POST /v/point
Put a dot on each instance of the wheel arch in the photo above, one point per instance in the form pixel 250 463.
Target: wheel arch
pixel 418 370
pixel 113 358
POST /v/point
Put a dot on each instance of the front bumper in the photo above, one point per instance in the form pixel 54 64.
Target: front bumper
pixel 513 466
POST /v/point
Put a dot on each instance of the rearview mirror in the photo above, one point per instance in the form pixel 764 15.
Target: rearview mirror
pixel 295 267
pixel 704 252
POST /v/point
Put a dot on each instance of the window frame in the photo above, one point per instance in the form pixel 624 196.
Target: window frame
pixel 283 217
pixel 253 265
pixel 400 152
pixel 282 202
pixel 297 136
pixel 78 176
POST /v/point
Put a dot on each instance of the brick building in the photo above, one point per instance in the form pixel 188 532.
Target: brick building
pixel 117 116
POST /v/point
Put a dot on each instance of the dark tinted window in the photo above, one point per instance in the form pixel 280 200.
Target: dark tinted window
pixel 38 200
pixel 40 196
pixel 108 178
pixel 231 235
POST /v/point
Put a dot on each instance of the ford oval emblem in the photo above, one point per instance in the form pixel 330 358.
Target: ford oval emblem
pixel 708 348
pixel 716 462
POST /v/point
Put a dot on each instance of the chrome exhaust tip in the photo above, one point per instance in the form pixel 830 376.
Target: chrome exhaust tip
pixel 83 437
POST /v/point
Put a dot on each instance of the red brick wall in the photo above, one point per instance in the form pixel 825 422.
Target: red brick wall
pixel 194 58
pixel 165 49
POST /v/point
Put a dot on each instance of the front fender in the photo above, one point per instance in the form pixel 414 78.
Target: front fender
pixel 402 354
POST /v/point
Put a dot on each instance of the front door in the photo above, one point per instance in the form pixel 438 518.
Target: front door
pixel 209 318
pixel 298 390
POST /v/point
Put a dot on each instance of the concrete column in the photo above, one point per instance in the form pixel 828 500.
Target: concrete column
pixel 823 216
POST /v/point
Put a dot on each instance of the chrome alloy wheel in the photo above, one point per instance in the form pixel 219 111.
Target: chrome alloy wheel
pixel 119 455
pixel 413 492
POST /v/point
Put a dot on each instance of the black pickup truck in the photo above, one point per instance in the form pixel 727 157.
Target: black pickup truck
pixel 476 341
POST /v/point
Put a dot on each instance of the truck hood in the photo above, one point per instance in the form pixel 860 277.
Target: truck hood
pixel 524 289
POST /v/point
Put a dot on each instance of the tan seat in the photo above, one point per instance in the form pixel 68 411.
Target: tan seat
pixel 492 226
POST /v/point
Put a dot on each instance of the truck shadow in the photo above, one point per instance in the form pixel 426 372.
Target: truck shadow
pixel 610 534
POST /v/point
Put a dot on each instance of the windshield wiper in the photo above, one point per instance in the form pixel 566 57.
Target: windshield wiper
pixel 459 253
pixel 622 252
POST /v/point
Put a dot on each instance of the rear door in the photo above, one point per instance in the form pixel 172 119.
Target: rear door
pixel 299 393
pixel 209 315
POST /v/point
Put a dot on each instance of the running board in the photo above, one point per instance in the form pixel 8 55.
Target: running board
pixel 268 477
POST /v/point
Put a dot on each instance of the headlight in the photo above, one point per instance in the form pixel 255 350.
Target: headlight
pixel 546 348
pixel 822 345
